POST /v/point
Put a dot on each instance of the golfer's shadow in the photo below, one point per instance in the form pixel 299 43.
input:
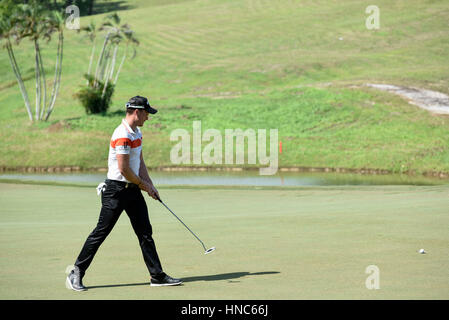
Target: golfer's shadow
pixel 215 277
pixel 226 276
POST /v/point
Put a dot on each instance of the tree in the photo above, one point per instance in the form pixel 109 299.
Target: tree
pixel 130 41
pixel 92 32
pixel 113 38
pixel 57 24
pixel 117 33
pixel 36 22
pixel 7 33
pixel 103 80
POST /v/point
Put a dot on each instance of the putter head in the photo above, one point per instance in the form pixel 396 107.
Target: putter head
pixel 209 250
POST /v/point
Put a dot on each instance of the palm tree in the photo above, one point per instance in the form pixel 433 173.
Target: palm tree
pixel 101 83
pixel 7 32
pixel 115 41
pixel 91 31
pixel 115 34
pixel 130 41
pixel 111 26
pixel 56 24
pixel 33 25
pixel 35 22
pixel 119 32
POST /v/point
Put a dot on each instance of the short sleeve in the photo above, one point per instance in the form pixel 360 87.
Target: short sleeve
pixel 122 145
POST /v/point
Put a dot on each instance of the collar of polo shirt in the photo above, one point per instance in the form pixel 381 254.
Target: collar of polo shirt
pixel 128 127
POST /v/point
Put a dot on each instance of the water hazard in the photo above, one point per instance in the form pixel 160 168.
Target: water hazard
pixel 243 178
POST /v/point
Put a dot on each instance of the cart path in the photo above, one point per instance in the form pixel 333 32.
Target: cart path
pixel 435 102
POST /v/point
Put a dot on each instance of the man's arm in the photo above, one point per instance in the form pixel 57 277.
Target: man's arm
pixel 143 174
pixel 125 170
pixel 144 182
pixel 143 171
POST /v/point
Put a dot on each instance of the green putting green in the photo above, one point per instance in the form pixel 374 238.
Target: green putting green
pixel 303 243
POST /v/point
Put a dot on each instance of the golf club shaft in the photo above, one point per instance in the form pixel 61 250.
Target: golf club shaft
pixel 184 224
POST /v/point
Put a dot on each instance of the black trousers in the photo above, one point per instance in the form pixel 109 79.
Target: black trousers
pixel 116 198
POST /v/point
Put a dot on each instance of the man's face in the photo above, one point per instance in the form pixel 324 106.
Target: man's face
pixel 142 116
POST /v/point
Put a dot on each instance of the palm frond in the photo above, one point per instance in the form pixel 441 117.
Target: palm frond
pixel 114 17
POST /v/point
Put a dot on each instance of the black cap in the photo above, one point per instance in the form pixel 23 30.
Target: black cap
pixel 139 102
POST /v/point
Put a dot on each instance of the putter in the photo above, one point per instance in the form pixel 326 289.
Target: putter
pixel 206 251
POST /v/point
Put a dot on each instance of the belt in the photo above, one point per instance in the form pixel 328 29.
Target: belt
pixel 122 184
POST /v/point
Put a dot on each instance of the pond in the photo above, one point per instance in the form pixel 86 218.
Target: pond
pixel 242 178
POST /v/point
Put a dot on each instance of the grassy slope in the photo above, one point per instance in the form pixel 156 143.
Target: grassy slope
pixel 268 247
pixel 255 64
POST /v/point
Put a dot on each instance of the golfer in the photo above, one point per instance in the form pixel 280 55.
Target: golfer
pixel 127 176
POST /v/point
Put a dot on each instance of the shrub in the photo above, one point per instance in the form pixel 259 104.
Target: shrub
pixel 91 96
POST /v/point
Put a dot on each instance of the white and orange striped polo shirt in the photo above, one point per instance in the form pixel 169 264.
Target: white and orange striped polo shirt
pixel 124 141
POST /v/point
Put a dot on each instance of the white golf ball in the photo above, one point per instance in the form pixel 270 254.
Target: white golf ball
pixel 422 251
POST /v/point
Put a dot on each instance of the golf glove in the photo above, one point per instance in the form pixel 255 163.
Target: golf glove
pixel 101 187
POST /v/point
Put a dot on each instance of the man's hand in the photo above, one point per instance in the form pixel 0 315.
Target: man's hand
pixel 150 189
pixel 145 186
pixel 153 193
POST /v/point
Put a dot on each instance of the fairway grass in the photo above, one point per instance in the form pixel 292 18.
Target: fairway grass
pixel 303 243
